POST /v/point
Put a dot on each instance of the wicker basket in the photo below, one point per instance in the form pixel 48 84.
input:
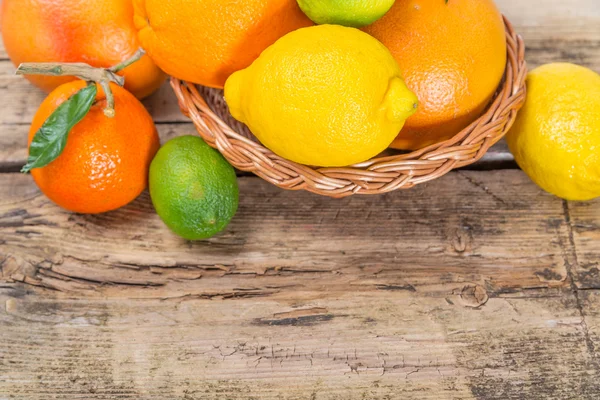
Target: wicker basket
pixel 207 109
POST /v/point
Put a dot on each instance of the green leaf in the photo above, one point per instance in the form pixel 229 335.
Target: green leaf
pixel 50 140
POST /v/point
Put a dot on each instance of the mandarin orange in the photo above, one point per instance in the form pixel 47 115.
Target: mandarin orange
pixel 105 162
pixel 452 55
pixel 205 41
pixel 98 32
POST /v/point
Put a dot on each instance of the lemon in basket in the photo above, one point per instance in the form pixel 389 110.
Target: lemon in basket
pixel 355 13
pixel 556 137
pixel 325 96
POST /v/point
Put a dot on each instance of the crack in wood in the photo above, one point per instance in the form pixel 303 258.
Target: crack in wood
pixel 219 295
pixel 407 287
pixel 484 188
pixel 309 320
pixel 574 288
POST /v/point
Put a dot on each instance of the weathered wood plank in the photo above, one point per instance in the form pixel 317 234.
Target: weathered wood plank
pixel 590 309
pixel 355 345
pixel 584 219
pixel 573 17
pixel 13 147
pixel 555 30
pixel 466 227
pixel 368 322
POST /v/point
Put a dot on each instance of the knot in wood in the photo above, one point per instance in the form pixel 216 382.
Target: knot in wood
pixel 473 296
pixel 461 239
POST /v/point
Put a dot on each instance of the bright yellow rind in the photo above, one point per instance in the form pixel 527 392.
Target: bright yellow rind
pixel 556 137
pixel 325 96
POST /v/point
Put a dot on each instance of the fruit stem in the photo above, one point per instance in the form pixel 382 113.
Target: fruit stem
pixel 109 110
pixel 134 58
pixel 80 70
pixel 102 76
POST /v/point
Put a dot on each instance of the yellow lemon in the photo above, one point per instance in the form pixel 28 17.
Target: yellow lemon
pixel 325 96
pixel 556 137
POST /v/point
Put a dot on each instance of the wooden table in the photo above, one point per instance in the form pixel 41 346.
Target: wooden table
pixel 476 286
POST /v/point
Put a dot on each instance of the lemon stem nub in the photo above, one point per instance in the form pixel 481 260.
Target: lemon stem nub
pixel 233 94
pixel 399 101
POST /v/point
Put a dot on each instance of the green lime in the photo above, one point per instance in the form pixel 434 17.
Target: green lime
pixel 193 188
pixel 353 13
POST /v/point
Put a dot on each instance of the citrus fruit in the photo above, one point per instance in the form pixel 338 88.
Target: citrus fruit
pixel 452 55
pixel 556 137
pixel 104 164
pixel 193 188
pixel 98 32
pixel 205 41
pixel 325 95
pixel 353 13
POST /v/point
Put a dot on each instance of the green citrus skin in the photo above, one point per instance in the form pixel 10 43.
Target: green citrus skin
pixel 351 13
pixel 193 188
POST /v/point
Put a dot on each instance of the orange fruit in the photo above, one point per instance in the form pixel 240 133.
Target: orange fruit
pixel 98 32
pixel 105 162
pixel 205 41
pixel 452 55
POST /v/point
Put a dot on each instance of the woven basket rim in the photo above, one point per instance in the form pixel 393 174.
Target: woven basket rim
pixel 379 175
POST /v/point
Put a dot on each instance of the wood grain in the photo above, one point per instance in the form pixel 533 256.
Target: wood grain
pixel 584 221
pixel 454 290
pixel 590 309
pixel 474 300
pixel 356 345
pixel 467 227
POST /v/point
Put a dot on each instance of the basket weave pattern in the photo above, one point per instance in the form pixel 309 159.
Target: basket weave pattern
pixel 208 111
